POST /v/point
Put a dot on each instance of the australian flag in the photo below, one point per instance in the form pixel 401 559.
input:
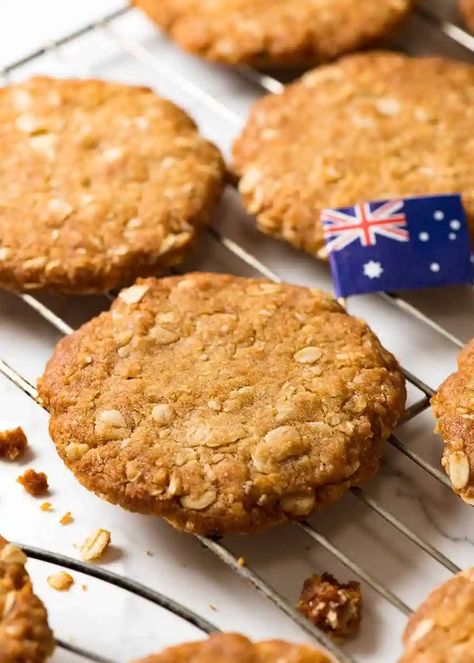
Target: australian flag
pixel 398 244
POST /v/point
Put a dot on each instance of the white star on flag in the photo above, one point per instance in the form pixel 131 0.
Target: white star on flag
pixel 373 270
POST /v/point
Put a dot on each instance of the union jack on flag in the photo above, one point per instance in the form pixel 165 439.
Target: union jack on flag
pixel 399 244
pixel 365 222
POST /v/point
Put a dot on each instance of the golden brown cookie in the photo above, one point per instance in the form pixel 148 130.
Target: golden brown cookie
pixel 466 7
pixel 25 636
pixel 442 629
pixel 234 648
pixel 365 128
pixel 453 407
pixel 99 183
pixel 283 33
pixel 222 403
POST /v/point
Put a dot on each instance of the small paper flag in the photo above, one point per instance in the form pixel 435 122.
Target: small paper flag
pixel 398 244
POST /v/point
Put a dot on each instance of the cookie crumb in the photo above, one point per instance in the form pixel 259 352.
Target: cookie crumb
pixel 212 607
pixel 46 506
pixel 241 561
pixel 95 545
pixel 67 519
pixel 84 588
pixel 332 606
pixel 35 483
pixel 149 553
pixel 13 443
pixel 61 581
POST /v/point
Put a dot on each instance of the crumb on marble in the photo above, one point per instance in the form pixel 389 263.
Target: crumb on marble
pixel 67 519
pixel 35 483
pixel 95 546
pixel 13 443
pixel 61 581
pixel 336 608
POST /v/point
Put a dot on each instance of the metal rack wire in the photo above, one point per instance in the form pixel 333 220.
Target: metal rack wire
pixel 266 83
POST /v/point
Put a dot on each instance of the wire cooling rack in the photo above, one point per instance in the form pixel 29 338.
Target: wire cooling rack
pixel 428 17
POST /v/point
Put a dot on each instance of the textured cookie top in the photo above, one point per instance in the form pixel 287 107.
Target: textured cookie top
pixel 369 127
pixel 466 8
pixel 25 636
pixel 99 183
pixel 223 403
pixel 286 33
pixel 233 648
pixel 442 629
pixel 453 407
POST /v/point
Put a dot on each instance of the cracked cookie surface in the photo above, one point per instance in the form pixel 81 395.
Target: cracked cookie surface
pixel 283 33
pixel 442 629
pixel 453 407
pixel 224 404
pixel 466 7
pixel 368 127
pixel 25 636
pixel 100 183
pixel 234 648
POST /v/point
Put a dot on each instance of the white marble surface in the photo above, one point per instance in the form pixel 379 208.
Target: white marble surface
pixel 110 621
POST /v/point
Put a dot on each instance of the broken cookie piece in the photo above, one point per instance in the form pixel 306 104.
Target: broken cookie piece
pixel 13 443
pixel 332 606
pixel 35 483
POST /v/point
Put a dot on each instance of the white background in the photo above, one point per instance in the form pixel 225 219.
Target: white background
pixel 119 625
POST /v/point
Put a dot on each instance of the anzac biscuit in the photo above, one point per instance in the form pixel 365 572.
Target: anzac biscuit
pixel 25 636
pixel 222 403
pixel 234 648
pixel 466 7
pixel 283 33
pixel 442 629
pixel 368 127
pixel 453 407
pixel 99 183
